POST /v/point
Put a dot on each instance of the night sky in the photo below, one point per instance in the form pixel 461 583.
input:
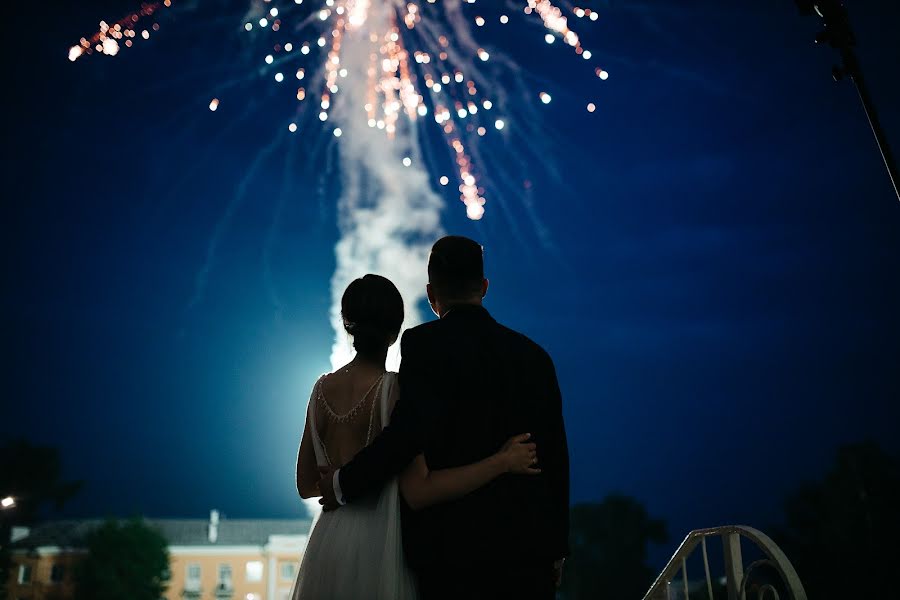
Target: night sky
pixel 713 265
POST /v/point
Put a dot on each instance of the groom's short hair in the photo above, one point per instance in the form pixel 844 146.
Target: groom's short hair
pixel 456 267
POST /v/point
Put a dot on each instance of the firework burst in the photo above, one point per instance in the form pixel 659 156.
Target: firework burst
pixel 416 60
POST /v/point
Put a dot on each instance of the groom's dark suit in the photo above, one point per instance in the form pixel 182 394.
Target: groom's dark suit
pixel 467 384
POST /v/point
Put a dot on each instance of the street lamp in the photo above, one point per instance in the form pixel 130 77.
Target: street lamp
pixel 8 502
pixel 838 34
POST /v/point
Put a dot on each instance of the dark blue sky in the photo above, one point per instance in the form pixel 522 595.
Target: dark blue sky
pixel 717 281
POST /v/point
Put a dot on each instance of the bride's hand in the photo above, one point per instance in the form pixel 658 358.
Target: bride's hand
pixel 518 455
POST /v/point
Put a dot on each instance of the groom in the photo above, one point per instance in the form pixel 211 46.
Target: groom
pixel 467 384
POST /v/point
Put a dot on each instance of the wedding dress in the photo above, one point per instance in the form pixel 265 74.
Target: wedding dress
pixel 356 551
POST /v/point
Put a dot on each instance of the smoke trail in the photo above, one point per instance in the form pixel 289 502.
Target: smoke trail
pixel 388 214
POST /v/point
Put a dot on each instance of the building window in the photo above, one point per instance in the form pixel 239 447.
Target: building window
pixel 192 577
pixel 254 570
pixel 57 573
pixel 24 573
pixel 225 575
pixel 288 570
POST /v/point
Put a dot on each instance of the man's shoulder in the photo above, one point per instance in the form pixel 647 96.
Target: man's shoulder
pixel 523 343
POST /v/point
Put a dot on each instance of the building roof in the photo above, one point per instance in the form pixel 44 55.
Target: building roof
pixel 71 533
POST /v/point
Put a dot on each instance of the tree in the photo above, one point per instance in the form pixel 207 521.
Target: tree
pixel 32 475
pixel 124 560
pixel 609 550
pixel 841 533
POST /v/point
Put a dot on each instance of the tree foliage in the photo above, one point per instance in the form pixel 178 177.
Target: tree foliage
pixel 125 560
pixel 33 476
pixel 609 550
pixel 842 532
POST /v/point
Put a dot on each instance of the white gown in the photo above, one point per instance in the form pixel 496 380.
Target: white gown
pixel 356 552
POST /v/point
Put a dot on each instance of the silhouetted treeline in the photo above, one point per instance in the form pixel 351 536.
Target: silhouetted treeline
pixel 842 534
pixel 609 542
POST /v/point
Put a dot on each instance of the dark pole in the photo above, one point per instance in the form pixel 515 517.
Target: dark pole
pixel 838 34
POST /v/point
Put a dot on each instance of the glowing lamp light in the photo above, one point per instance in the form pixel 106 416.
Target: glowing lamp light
pixel 504 19
pixel 270 59
pixel 474 211
pixel 545 98
pixel 499 124
pixel 75 52
pixel 444 180
pixel 279 77
pixel 214 104
pixel 591 107
pixel 292 128
pixel 8 502
pixel 263 22
pixel 407 161
pixel 549 38
pixel 248 26
pixel 338 132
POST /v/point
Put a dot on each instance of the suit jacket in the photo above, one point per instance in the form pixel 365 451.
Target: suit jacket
pixel 467 384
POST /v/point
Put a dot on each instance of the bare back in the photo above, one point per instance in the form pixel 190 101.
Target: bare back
pixel 347 415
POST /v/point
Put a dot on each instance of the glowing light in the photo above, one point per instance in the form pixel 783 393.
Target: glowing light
pixel 601 74
pixel 395 73
pixel 110 46
pixel 8 502
pixel 474 211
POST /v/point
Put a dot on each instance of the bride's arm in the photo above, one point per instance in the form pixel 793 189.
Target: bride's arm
pixel 307 468
pixel 421 487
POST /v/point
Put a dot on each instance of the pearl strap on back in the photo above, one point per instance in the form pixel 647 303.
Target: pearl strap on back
pixel 349 415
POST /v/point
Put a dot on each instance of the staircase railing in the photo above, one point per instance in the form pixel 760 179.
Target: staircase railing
pixel 738 578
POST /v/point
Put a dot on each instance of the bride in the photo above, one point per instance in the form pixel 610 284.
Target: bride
pixel 356 552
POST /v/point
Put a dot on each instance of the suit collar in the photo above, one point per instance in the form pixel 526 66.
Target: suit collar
pixel 466 311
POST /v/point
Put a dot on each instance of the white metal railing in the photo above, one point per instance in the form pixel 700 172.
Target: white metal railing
pixel 737 577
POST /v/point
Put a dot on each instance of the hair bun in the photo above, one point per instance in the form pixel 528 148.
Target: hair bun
pixel 372 312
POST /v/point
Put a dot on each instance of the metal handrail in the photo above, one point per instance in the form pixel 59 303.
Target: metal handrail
pixel 735 576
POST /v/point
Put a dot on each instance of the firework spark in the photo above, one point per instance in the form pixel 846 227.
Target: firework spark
pixel 419 61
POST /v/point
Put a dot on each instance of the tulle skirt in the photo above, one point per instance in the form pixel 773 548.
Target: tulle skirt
pixel 356 553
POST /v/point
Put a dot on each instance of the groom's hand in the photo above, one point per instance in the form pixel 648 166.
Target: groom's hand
pixel 326 488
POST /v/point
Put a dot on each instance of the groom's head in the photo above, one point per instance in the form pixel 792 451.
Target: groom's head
pixel 455 273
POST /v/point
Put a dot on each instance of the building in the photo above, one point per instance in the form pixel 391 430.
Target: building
pixel 221 559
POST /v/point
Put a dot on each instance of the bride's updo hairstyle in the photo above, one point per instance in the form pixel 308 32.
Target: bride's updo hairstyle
pixel 372 310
